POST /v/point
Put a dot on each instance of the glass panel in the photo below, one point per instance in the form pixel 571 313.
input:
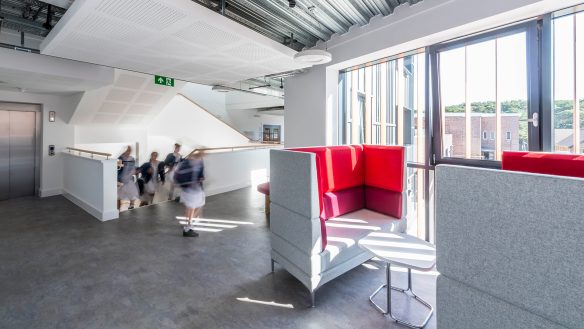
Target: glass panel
pixel 482 94
pixel 391 115
pixel 512 91
pixel 361 119
pixel 580 74
pixel 453 96
pixel 563 105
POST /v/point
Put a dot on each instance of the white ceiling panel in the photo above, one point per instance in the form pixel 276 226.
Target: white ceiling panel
pixel 120 95
pixel 140 109
pixel 110 107
pixel 131 99
pixel 152 14
pixel 131 81
pixel 176 38
pixel 105 118
pixel 148 98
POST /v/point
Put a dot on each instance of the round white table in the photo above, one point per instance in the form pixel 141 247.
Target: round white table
pixel 401 250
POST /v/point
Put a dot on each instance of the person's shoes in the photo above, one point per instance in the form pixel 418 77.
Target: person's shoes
pixel 190 234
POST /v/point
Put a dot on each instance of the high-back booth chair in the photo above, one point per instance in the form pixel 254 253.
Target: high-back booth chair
pixel 509 243
pixel 324 199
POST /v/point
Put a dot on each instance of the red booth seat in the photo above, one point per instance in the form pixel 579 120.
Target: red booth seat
pixel 354 177
pixel 544 163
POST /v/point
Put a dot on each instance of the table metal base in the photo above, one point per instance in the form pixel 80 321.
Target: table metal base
pixel 405 291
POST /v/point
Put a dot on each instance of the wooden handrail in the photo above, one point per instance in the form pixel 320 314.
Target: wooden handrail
pixel 107 155
pixel 236 148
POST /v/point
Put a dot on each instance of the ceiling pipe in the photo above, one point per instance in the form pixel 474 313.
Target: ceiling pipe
pixel 223 7
pixel 47 24
pixel 65 4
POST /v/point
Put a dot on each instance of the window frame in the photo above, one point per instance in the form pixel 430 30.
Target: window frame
pixel 534 41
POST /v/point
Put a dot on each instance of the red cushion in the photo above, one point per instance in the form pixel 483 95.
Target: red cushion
pixel 264 188
pixel 384 167
pixel 544 163
pixel 384 201
pixel 338 167
pixel 341 202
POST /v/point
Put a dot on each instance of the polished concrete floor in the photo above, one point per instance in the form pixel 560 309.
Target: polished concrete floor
pixel 60 268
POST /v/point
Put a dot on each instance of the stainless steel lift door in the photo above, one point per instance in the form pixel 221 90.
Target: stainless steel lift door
pixel 17 154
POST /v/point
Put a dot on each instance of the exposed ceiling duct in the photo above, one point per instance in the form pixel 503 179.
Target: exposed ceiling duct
pixel 302 23
pixel 32 16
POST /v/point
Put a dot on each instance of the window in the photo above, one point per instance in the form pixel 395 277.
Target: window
pixel 384 103
pixel 483 84
pixel 568 82
pixel 508 136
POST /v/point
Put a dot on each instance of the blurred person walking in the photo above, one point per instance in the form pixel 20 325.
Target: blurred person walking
pixel 153 176
pixel 171 162
pixel 128 194
pixel 190 175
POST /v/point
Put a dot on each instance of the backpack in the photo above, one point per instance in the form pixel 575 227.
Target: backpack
pixel 184 175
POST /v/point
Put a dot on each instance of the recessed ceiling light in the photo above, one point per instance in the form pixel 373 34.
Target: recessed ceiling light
pixel 313 57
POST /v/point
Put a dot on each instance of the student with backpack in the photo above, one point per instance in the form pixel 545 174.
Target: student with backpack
pixel 189 176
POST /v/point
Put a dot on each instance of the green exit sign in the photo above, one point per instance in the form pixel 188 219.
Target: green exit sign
pixel 165 81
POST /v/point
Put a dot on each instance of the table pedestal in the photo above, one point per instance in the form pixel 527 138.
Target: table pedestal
pixel 408 292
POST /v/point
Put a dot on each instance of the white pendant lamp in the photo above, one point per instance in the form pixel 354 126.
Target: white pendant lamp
pixel 313 57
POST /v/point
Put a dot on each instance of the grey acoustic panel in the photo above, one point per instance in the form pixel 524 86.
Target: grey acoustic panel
pixel 293 182
pixel 516 236
pixel 459 306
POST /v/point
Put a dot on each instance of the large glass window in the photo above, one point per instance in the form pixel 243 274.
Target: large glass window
pixel 384 103
pixel 568 83
pixel 517 88
pixel 483 93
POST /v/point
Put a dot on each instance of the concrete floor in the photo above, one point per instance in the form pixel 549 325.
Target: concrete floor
pixel 60 268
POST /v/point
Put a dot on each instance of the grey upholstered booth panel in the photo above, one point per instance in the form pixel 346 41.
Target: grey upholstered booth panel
pixel 516 236
pixel 293 182
pixel 459 306
pixel 301 232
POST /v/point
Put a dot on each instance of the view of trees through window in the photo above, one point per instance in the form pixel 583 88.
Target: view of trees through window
pixel 483 92
pixel 516 106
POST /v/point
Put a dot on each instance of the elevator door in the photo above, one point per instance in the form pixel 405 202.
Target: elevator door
pixel 17 154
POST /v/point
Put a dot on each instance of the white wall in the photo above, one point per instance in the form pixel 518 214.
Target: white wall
pixel 111 139
pixel 212 101
pixel 229 171
pixel 57 133
pixel 183 120
pixel 311 98
pixel 252 121
pixel 235 100
pixel 91 184
pixel 12 37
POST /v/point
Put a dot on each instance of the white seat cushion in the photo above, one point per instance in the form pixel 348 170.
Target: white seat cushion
pixel 345 231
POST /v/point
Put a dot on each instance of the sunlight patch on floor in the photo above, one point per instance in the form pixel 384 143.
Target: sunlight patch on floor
pixel 272 303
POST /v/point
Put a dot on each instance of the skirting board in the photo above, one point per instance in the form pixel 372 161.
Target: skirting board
pixel 102 216
pixel 50 192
